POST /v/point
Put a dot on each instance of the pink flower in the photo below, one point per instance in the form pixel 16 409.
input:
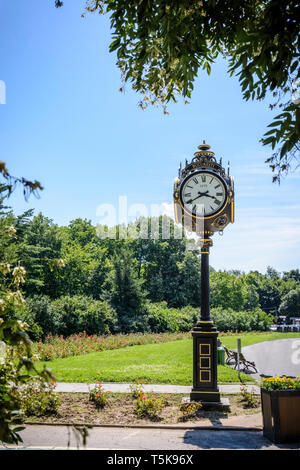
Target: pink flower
pixel 144 398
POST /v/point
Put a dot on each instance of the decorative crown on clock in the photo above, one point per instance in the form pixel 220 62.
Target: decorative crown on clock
pixel 204 158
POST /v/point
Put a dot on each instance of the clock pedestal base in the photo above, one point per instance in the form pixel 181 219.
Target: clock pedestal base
pixel 222 405
pixel 205 386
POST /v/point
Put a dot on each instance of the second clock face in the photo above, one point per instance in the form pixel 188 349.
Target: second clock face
pixel 203 194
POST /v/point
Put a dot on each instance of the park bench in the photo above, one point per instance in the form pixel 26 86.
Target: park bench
pixel 232 356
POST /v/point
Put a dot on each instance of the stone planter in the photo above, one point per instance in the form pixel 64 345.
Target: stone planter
pixel 281 415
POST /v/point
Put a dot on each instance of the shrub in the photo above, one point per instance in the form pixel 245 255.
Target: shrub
pixel 189 409
pixel 81 313
pixel 11 414
pixel 43 313
pixel 148 406
pixel 133 322
pixel 161 318
pixel 188 317
pixel 249 399
pixel 23 314
pixel 98 396
pixel 230 320
pixel 39 399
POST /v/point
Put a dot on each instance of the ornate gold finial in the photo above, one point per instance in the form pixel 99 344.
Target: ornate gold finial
pixel 204 146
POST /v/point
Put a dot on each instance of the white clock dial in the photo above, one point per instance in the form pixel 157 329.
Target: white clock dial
pixel 203 194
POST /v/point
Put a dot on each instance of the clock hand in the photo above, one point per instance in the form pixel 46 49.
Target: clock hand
pixel 199 195
pixel 208 195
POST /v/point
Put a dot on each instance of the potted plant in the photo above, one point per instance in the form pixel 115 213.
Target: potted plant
pixel 280 401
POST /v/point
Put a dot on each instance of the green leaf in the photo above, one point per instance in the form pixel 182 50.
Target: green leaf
pixel 272 131
pixel 294 66
pixel 114 45
pixel 275 123
pixel 284 149
pixel 267 141
pixel 18 429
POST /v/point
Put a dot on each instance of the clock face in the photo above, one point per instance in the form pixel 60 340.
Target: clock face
pixel 203 194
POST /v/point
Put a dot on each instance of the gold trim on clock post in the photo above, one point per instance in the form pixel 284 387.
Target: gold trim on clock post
pixel 204 354
pixel 209 375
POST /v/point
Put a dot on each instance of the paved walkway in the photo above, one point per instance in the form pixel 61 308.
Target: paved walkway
pixel 59 437
pixel 279 357
pixel 157 388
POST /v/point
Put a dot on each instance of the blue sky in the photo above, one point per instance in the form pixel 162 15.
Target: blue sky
pixel 66 124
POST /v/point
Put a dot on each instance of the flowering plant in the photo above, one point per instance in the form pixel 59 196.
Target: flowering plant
pixel 98 395
pixel 189 409
pixel 148 406
pixel 39 398
pixel 54 347
pixel 248 398
pixel 280 383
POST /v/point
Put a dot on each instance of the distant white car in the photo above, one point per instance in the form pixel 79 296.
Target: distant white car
pixel 273 328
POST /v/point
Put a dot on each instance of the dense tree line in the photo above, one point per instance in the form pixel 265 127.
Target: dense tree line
pixel 77 279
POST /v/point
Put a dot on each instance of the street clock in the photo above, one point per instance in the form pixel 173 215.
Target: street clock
pixel 204 204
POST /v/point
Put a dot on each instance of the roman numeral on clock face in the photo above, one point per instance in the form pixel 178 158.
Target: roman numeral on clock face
pixel 217 202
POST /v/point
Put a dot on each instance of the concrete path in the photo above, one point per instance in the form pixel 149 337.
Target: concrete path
pixel 58 437
pixel 157 388
pixel 272 358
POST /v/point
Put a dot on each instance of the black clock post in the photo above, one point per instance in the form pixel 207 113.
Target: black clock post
pixel 205 352
pixel 204 204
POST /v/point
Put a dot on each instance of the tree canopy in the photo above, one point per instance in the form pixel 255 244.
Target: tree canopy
pixel 162 45
pixel 290 305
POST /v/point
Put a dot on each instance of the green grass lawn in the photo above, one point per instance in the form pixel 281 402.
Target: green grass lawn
pixel 169 363
pixel 150 363
pixel 257 337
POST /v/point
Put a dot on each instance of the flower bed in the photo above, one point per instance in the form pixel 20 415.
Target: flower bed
pixel 55 347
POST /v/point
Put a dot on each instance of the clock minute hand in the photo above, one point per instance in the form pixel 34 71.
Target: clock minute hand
pixel 199 195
